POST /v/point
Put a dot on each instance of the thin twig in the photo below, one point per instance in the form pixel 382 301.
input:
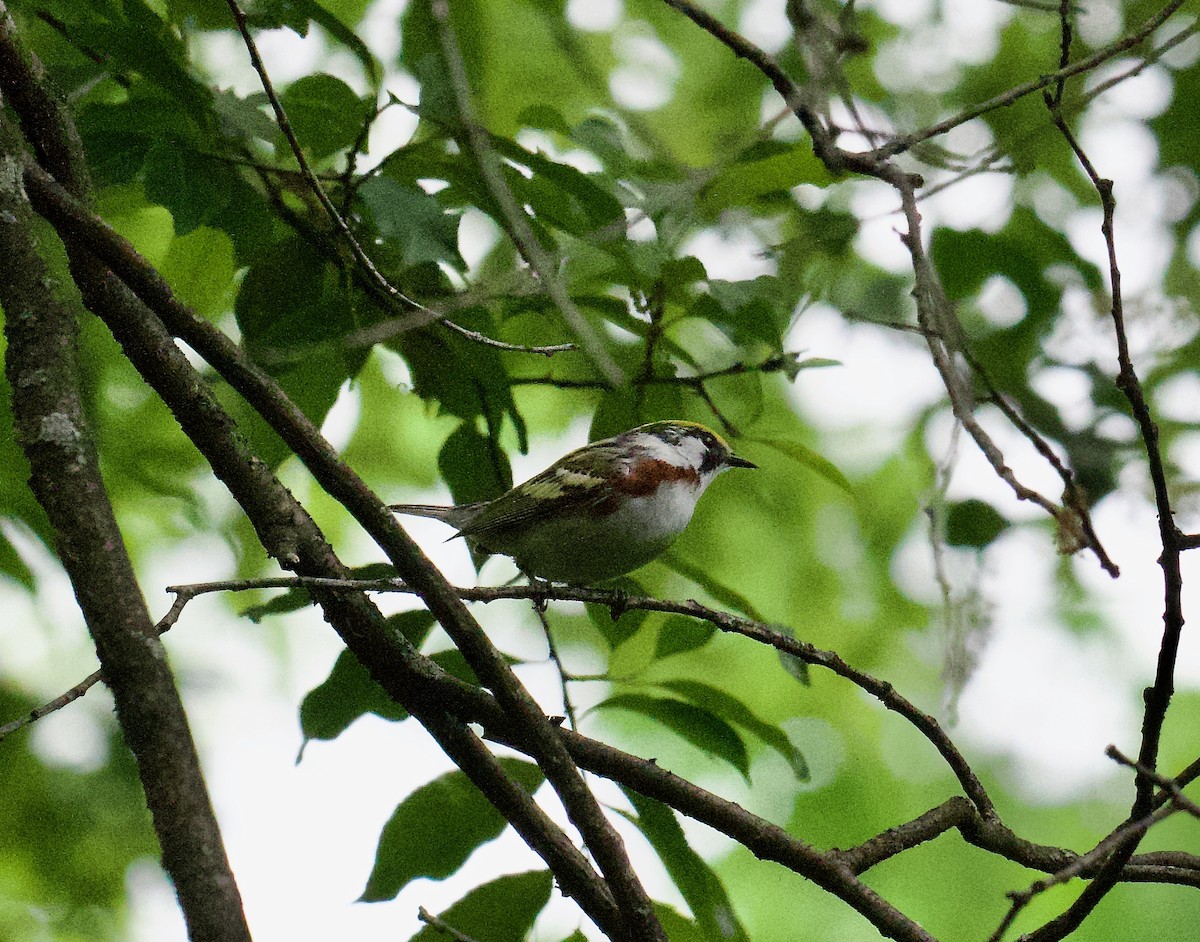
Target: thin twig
pixel 70 696
pixel 1015 94
pixel 1157 698
pixel 1171 787
pixel 757 631
pixel 539 609
pixel 442 926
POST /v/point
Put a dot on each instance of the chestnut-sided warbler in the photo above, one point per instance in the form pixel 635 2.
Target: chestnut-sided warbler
pixel 601 511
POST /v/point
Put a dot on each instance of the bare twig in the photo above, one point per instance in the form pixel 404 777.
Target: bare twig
pixel 1015 94
pixel 1172 788
pixel 764 634
pixel 442 926
pixel 1157 697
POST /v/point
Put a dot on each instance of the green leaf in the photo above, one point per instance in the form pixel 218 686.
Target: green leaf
pixel 474 467
pixel 697 882
pixel 619 631
pixel 350 692
pixel 190 185
pixel 702 728
pixel 810 459
pixel 767 168
pixel 413 221
pixel 545 118
pixel 436 828
pixel 325 114
pixel 793 665
pixel 679 928
pixel 678 634
pixel 757 309
pixel 293 310
pixel 725 594
pixel 732 709
pixel 343 34
pixel 501 911
pixel 467 379
pixel 346 694
pixel 973 523
pixel 199 268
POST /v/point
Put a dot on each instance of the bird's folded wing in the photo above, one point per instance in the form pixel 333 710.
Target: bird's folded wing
pixel 567 488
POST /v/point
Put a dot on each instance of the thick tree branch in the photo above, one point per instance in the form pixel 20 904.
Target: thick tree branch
pixel 43 372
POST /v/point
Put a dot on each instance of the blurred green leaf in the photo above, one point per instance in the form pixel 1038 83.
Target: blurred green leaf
pixel 617 632
pixel 735 711
pixel 473 467
pixel 192 186
pixel 766 168
pixel 810 459
pixel 413 220
pixel 325 114
pixel 702 728
pixel 722 592
pixel 678 634
pixel 973 523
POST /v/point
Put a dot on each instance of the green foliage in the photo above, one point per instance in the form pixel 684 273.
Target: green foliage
pixel 500 911
pixel 702 728
pixel 699 885
pixel 436 828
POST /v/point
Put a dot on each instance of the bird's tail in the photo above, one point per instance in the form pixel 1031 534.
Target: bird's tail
pixel 436 511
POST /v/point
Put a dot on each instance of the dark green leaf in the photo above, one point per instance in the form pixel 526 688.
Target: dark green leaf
pixel 619 631
pixel 193 187
pixel 732 709
pixel 768 168
pixel 703 729
pixel 436 828
pixel 349 691
pixel 697 882
pixel 678 634
pixel 325 114
pixel 343 34
pixel 467 379
pixel 473 467
pixel 501 911
pixel 413 221
pixel 346 694
pixel 973 523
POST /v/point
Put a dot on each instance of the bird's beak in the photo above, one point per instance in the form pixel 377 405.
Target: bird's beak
pixel 735 462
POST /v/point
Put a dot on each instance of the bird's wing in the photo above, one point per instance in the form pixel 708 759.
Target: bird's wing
pixel 572 485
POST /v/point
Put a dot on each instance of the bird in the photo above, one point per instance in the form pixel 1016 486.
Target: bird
pixel 601 511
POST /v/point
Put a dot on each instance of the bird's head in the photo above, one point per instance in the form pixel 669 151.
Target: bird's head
pixel 686 445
